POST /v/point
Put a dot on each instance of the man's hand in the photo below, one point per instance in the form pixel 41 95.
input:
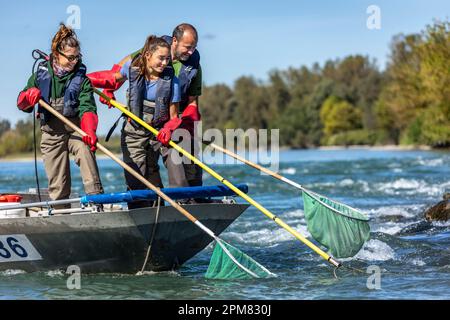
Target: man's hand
pixel 189 116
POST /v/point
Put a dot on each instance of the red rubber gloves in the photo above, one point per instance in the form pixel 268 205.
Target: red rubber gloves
pixel 166 132
pixel 28 99
pixel 107 80
pixel 189 116
pixel 89 123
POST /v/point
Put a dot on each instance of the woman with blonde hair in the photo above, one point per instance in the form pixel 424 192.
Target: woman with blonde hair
pixel 61 81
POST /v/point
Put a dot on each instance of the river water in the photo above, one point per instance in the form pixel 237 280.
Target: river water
pixel 402 260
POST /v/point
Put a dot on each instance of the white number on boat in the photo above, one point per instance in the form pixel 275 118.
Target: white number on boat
pixel 17 247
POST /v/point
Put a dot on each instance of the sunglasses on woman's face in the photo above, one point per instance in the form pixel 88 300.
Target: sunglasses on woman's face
pixel 71 58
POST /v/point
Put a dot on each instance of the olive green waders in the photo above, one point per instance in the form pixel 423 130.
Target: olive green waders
pixel 57 143
pixel 141 151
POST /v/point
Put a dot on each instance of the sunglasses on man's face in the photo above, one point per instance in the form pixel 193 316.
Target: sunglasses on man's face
pixel 71 58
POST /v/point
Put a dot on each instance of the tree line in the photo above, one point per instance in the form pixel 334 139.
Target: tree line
pixel 347 101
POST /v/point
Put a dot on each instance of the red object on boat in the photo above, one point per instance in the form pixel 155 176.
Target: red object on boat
pixel 10 198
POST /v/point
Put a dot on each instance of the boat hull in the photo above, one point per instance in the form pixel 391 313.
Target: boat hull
pixel 112 241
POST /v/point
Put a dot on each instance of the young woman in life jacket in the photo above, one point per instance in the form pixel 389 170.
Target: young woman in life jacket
pixel 62 83
pixel 185 60
pixel 154 96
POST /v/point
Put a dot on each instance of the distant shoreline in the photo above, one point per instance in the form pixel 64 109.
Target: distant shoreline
pixel 27 157
pixel 385 147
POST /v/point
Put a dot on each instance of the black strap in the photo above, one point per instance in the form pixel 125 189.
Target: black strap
pixel 110 132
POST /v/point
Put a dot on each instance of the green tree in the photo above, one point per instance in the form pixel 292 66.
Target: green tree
pixel 358 81
pixel 415 103
pixel 434 53
pixel 435 127
pixel 339 116
pixel 279 97
pixel 252 103
pixel 216 106
pixel 5 125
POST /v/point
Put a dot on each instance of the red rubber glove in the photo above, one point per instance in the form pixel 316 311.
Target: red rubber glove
pixel 189 116
pixel 191 112
pixel 89 123
pixel 28 99
pixel 166 132
pixel 103 79
pixel 107 80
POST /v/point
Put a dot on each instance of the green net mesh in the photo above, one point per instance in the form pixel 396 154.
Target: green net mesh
pixel 222 265
pixel 340 228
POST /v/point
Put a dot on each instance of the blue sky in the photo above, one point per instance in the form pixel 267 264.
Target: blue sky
pixel 236 37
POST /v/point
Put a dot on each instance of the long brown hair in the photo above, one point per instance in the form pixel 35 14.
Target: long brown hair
pixel 65 37
pixel 151 45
